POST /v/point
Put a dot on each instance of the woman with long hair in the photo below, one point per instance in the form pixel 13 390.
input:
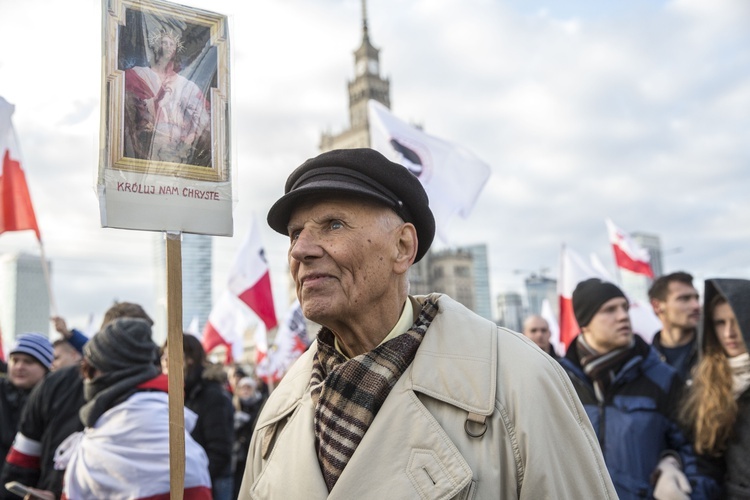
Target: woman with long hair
pixel 716 407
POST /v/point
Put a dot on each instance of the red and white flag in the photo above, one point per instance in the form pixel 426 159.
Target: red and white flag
pixel 451 175
pixel 290 342
pixel 16 210
pixel 226 325
pixel 573 270
pixel 629 255
pixel 249 286
pixel 250 280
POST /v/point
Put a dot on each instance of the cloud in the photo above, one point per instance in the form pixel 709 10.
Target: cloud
pixel 636 111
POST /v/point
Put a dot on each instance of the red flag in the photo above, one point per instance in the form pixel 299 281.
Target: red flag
pixel 629 255
pixel 250 280
pixel 16 211
pixel 573 270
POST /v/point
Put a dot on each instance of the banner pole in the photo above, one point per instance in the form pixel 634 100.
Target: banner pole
pixel 175 359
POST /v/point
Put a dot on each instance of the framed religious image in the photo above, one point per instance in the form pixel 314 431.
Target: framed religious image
pixel 165 107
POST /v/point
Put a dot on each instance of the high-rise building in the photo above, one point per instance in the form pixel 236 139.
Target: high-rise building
pixel 482 298
pixel 510 311
pixel 367 84
pixel 24 298
pixel 197 275
pixel 539 288
pixel 452 273
pixel 652 244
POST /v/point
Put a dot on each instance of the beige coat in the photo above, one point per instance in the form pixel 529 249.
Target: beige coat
pixel 538 441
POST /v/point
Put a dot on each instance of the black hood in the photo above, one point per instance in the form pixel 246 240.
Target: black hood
pixel 737 293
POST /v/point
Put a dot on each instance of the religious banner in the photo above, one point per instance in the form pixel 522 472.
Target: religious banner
pixel 164 154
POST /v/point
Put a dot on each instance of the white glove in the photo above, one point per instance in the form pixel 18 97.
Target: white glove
pixel 672 484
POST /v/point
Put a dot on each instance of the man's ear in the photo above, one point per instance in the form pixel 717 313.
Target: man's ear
pixel 657 306
pixel 406 248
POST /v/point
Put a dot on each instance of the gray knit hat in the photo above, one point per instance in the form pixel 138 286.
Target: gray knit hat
pixel 123 343
pixel 35 345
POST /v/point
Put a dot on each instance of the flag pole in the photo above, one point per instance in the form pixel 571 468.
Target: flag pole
pixel 176 376
pixel 45 270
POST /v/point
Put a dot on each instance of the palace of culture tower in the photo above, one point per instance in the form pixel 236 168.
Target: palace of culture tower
pixel 461 273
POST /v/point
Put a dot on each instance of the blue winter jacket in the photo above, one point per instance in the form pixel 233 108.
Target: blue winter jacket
pixel 635 423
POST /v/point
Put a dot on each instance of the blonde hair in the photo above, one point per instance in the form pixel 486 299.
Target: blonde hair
pixel 709 408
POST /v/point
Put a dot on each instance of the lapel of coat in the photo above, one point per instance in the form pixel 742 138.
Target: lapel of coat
pixel 405 452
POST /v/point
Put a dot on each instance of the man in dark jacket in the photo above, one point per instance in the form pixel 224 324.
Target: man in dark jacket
pixel 29 362
pixel 675 301
pixel 630 397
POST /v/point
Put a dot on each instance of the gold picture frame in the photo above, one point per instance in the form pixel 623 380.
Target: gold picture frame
pixel 165 90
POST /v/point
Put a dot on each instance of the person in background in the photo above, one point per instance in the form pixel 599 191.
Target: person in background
pixel 124 452
pixel 248 401
pixel 716 408
pixel 536 329
pixel 75 337
pixel 205 395
pixel 401 396
pixel 29 361
pixel 51 415
pixel 65 355
pixel 631 397
pixel 675 301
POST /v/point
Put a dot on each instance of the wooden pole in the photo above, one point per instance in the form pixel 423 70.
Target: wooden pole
pixel 176 362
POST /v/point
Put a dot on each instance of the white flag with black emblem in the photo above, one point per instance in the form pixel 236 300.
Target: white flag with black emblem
pixel 452 176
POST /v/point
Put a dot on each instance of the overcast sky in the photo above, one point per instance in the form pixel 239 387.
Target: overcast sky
pixel 636 110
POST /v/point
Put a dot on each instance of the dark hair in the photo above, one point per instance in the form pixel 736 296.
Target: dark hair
pixel 660 287
pixel 125 310
pixel 193 349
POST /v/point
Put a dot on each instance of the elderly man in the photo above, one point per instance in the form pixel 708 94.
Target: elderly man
pixel 536 329
pixel 400 396
pixel 631 398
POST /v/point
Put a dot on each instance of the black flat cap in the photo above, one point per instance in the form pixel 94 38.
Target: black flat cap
pixel 359 172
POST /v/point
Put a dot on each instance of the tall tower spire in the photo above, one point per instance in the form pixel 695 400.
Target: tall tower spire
pixel 367 84
pixel 365 37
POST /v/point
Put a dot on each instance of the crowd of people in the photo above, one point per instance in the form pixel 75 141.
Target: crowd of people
pixel 400 396
pixel 673 417
pixel 88 418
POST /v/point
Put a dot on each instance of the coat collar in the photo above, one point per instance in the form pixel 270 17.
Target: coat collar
pixel 456 364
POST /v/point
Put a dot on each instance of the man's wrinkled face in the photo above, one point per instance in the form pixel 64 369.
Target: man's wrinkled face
pixel 24 371
pixel 610 327
pixel 682 308
pixel 341 257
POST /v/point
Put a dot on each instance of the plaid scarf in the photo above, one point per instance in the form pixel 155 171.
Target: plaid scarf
pixel 347 394
pixel 602 368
